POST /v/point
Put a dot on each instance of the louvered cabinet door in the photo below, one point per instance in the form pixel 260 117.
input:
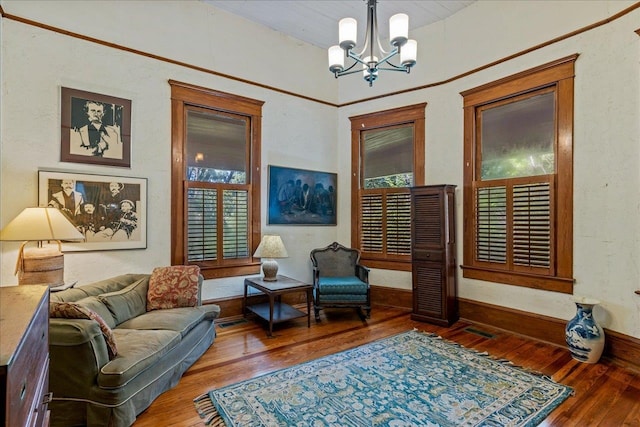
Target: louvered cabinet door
pixel 433 252
pixel 427 290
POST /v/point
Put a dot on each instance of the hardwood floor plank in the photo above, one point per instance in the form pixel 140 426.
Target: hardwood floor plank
pixel 605 394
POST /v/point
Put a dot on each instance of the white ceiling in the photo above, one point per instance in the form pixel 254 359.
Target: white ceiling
pixel 316 21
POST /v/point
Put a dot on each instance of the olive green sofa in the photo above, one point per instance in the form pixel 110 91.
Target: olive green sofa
pixel 154 349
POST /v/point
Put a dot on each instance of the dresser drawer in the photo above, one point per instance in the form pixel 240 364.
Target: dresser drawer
pixel 427 255
pixel 28 372
pixel 40 410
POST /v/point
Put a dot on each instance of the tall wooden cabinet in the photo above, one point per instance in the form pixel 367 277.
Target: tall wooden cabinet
pixel 433 254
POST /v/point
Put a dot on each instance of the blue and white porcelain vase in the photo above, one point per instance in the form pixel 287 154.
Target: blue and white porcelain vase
pixel 584 336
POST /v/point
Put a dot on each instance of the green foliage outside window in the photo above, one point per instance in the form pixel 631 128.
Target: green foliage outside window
pixel 216 175
pixel 518 163
pixel 390 181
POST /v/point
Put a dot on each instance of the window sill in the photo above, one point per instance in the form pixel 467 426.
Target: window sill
pixel 229 271
pixel 386 265
pixel 547 283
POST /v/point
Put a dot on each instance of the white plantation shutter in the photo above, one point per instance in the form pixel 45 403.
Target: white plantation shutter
pixel 206 224
pixel 236 227
pixel 514 224
pixel 385 222
pixel 398 223
pixel 491 224
pixel 532 225
pixel 202 229
pixel 371 209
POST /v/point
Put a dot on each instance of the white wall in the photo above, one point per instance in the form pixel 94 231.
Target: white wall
pixel 606 137
pixel 35 63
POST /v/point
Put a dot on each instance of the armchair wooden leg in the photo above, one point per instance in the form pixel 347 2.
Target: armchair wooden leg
pixel 364 312
pixel 317 312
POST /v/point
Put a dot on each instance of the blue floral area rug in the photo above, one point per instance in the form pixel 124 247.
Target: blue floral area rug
pixel 409 379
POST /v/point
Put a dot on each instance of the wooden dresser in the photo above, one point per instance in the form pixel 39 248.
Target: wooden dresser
pixel 24 355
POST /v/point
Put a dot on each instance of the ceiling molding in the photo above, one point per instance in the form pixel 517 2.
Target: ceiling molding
pixel 286 92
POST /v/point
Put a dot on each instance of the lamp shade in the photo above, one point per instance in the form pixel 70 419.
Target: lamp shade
pixel 398 29
pixel 41 223
pixel 347 33
pixel 271 246
pixel 409 53
pixel 336 59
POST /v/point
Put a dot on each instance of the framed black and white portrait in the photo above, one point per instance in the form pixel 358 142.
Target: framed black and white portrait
pixel 96 129
pixel 109 211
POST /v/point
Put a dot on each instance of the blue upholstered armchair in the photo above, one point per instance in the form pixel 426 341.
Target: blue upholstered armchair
pixel 339 280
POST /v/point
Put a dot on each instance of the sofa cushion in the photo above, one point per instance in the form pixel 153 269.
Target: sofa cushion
pixel 94 289
pixel 93 303
pixel 342 299
pixel 349 285
pixel 180 320
pixel 172 287
pixel 127 303
pixel 139 350
pixel 68 295
pixel 69 310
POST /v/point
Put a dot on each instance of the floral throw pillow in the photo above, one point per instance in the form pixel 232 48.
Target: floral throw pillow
pixel 70 310
pixel 172 287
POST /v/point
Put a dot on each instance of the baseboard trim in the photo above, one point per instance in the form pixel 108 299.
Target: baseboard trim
pixel 620 348
pixel 392 297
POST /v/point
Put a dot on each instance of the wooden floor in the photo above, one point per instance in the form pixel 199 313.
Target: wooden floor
pixel 605 394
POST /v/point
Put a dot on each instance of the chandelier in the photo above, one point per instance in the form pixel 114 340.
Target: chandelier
pixel 372 50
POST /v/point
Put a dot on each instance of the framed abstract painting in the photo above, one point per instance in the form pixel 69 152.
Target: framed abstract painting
pixel 302 197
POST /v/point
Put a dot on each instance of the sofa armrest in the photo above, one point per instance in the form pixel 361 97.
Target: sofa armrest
pixel 200 281
pixel 77 351
pixel 211 311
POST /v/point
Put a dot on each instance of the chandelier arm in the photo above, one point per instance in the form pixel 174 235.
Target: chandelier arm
pixel 376 32
pixel 357 58
pixel 391 54
pixel 342 73
pixel 347 72
pixel 397 68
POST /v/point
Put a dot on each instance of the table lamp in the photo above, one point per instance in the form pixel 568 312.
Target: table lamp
pixel 270 247
pixel 41 264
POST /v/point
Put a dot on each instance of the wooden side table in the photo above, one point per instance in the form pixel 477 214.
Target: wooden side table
pixel 275 311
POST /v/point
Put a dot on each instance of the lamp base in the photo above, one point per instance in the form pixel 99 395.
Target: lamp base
pixel 270 270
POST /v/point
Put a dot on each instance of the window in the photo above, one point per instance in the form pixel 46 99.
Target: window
pixel 387 157
pixel 518 179
pixel 215 180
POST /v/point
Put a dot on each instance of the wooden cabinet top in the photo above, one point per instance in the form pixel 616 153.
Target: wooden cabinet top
pixel 17 307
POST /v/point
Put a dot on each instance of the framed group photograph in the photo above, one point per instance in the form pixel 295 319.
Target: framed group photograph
pixel 109 211
pixel 302 197
pixel 96 129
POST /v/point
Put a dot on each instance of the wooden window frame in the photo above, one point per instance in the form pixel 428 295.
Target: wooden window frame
pixel 184 95
pixel 414 115
pixel 559 76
